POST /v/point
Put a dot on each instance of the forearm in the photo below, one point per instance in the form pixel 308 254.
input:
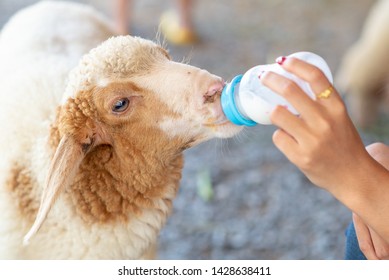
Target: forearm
pixel 366 193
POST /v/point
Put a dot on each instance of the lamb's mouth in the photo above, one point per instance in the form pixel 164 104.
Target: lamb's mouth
pixel 217 122
pixel 222 128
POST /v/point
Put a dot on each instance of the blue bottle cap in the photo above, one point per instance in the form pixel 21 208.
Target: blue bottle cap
pixel 229 106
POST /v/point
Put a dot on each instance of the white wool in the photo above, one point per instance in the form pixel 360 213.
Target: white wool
pixel 93 68
pixel 92 241
pixel 83 30
pixel 34 70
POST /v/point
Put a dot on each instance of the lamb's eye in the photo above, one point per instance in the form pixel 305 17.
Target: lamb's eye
pixel 120 105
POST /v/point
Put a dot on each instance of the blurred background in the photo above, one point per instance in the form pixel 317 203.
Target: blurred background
pixel 241 198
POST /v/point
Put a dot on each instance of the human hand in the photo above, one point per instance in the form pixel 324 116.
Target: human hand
pixel 371 244
pixel 322 141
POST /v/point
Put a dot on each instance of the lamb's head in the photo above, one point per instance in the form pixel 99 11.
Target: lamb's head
pixel 132 83
pixel 128 94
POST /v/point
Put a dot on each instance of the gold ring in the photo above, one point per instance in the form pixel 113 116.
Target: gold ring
pixel 325 94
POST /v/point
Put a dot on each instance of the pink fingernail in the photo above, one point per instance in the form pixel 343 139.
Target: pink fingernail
pixel 280 60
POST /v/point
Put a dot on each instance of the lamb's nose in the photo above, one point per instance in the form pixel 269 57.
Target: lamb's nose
pixel 216 87
pixel 214 90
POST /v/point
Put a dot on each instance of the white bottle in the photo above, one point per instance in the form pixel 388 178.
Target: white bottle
pixel 245 101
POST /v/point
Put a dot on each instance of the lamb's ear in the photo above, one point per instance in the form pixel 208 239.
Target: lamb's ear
pixel 64 166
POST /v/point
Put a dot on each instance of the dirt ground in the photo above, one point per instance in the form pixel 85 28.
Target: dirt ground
pixel 261 206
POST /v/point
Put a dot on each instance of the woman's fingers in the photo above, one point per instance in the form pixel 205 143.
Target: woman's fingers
pixel 316 114
pixel 319 83
pixel 381 247
pixel 291 124
pixel 290 91
pixel 285 143
pixel 364 238
pixel 371 244
pixel 326 95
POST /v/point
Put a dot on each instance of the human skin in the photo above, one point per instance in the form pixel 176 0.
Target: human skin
pixel 370 243
pixel 325 145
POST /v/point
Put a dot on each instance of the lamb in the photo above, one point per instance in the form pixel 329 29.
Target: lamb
pixel 92 151
pixel 364 71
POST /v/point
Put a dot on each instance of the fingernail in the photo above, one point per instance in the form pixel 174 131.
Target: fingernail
pixel 280 60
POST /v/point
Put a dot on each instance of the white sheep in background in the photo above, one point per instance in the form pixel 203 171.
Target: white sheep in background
pixel 93 176
pixel 364 72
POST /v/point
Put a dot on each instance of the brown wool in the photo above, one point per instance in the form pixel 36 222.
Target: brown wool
pixel 22 188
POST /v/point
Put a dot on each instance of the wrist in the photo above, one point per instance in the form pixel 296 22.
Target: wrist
pixel 366 193
pixel 363 182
